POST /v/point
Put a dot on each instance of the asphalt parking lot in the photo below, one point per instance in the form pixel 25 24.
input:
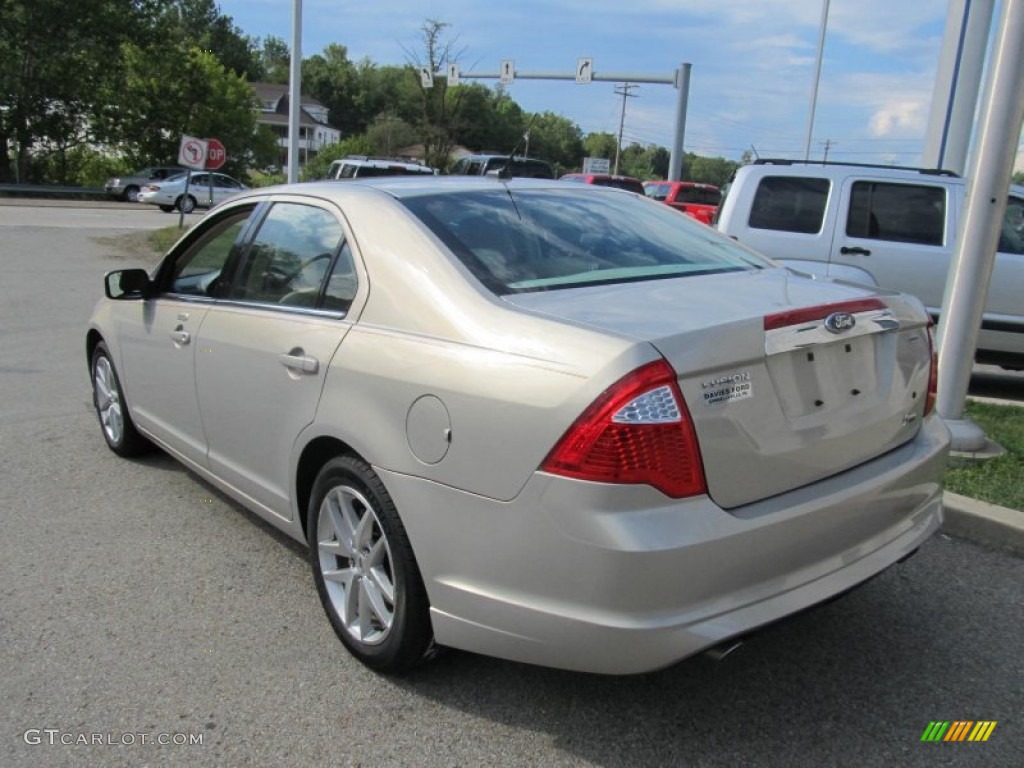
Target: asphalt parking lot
pixel 139 606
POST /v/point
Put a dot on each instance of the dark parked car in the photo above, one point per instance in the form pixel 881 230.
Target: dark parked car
pixel 517 165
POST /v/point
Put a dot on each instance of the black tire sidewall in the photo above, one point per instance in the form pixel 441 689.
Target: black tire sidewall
pixel 131 442
pixel 410 636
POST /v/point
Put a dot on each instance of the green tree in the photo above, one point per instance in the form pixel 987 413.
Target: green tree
pixel 1018 177
pixel 54 56
pixel 711 170
pixel 318 166
pixel 556 139
pixel 274 60
pixel 332 79
pixel 389 133
pixel 185 92
pixel 200 24
pixel 600 145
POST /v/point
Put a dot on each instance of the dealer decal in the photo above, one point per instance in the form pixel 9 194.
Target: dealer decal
pixel 725 389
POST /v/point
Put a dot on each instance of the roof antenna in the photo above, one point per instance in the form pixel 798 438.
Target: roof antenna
pixel 505 172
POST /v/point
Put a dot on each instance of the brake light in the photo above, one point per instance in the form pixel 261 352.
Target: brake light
pixel 819 312
pixel 637 432
pixel 933 373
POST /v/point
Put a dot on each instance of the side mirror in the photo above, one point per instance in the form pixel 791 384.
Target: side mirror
pixel 123 284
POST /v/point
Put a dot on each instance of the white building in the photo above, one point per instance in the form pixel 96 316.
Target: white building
pixel 315 132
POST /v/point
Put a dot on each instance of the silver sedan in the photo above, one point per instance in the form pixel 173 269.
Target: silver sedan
pixel 186 193
pixel 555 424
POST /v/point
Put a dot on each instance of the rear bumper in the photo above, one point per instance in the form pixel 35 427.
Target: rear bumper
pixel 620 579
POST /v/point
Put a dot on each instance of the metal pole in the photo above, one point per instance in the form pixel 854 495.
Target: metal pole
pixel 817 77
pixel 974 256
pixel 957 84
pixel 675 162
pixel 295 93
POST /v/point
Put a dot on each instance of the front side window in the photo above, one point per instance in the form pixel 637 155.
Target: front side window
pixel 197 271
pixel 1011 237
pixel 790 204
pixel 535 240
pixel 903 213
pixel 289 257
pixel 657 191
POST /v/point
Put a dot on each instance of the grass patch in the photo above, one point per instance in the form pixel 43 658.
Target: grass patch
pixel 997 481
pixel 163 238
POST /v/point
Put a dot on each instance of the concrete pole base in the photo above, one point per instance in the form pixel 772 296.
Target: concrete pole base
pixel 967 437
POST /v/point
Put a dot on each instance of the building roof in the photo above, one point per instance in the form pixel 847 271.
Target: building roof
pixel 275 92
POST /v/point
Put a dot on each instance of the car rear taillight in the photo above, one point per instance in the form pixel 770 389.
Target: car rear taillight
pixel 933 373
pixel 637 432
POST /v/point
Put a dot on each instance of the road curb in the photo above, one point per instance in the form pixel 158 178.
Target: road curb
pixel 983 523
pixel 37 202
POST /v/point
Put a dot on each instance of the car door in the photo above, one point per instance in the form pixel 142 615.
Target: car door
pixel 158 341
pixel 224 187
pixel 897 232
pixel 267 346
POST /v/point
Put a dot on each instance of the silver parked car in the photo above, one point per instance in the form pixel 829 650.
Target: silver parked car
pixel 127 187
pixel 205 190
pixel 559 425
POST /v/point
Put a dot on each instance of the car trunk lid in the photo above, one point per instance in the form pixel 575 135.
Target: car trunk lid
pixel 788 380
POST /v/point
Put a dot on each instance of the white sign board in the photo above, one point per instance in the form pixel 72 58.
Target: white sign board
pixel 507 71
pixel 192 152
pixel 426 77
pixel 597 165
pixel 584 71
pixel 453 74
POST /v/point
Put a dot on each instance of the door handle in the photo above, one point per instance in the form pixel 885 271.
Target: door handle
pixel 180 336
pixel 854 250
pixel 299 362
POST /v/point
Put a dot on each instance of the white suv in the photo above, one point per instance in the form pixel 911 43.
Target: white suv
pixel 893 227
pixel 361 167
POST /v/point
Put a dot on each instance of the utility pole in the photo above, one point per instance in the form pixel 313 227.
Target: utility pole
pixel 623 91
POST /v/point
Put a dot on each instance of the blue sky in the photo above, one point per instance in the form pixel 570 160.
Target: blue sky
pixel 753 63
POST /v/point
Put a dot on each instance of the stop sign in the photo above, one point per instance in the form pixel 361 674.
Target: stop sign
pixel 215 154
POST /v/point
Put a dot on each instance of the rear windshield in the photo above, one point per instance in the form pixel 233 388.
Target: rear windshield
pixel 517 241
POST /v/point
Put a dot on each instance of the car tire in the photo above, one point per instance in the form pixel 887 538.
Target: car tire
pixel 364 568
pixel 108 399
pixel 131 194
pixel 185 204
pixel 167 208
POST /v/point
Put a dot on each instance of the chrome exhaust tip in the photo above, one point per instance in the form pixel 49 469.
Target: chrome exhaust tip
pixel 719 652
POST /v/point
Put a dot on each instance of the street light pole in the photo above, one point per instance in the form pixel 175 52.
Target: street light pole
pixel 295 93
pixel 817 77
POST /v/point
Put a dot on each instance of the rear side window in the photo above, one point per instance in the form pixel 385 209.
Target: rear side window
pixel 790 204
pixel 903 213
pixel 289 257
pixel 700 195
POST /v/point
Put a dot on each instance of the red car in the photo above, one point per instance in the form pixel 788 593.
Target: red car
pixel 697 200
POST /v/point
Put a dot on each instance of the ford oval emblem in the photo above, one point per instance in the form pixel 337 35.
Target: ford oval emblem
pixel 840 322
